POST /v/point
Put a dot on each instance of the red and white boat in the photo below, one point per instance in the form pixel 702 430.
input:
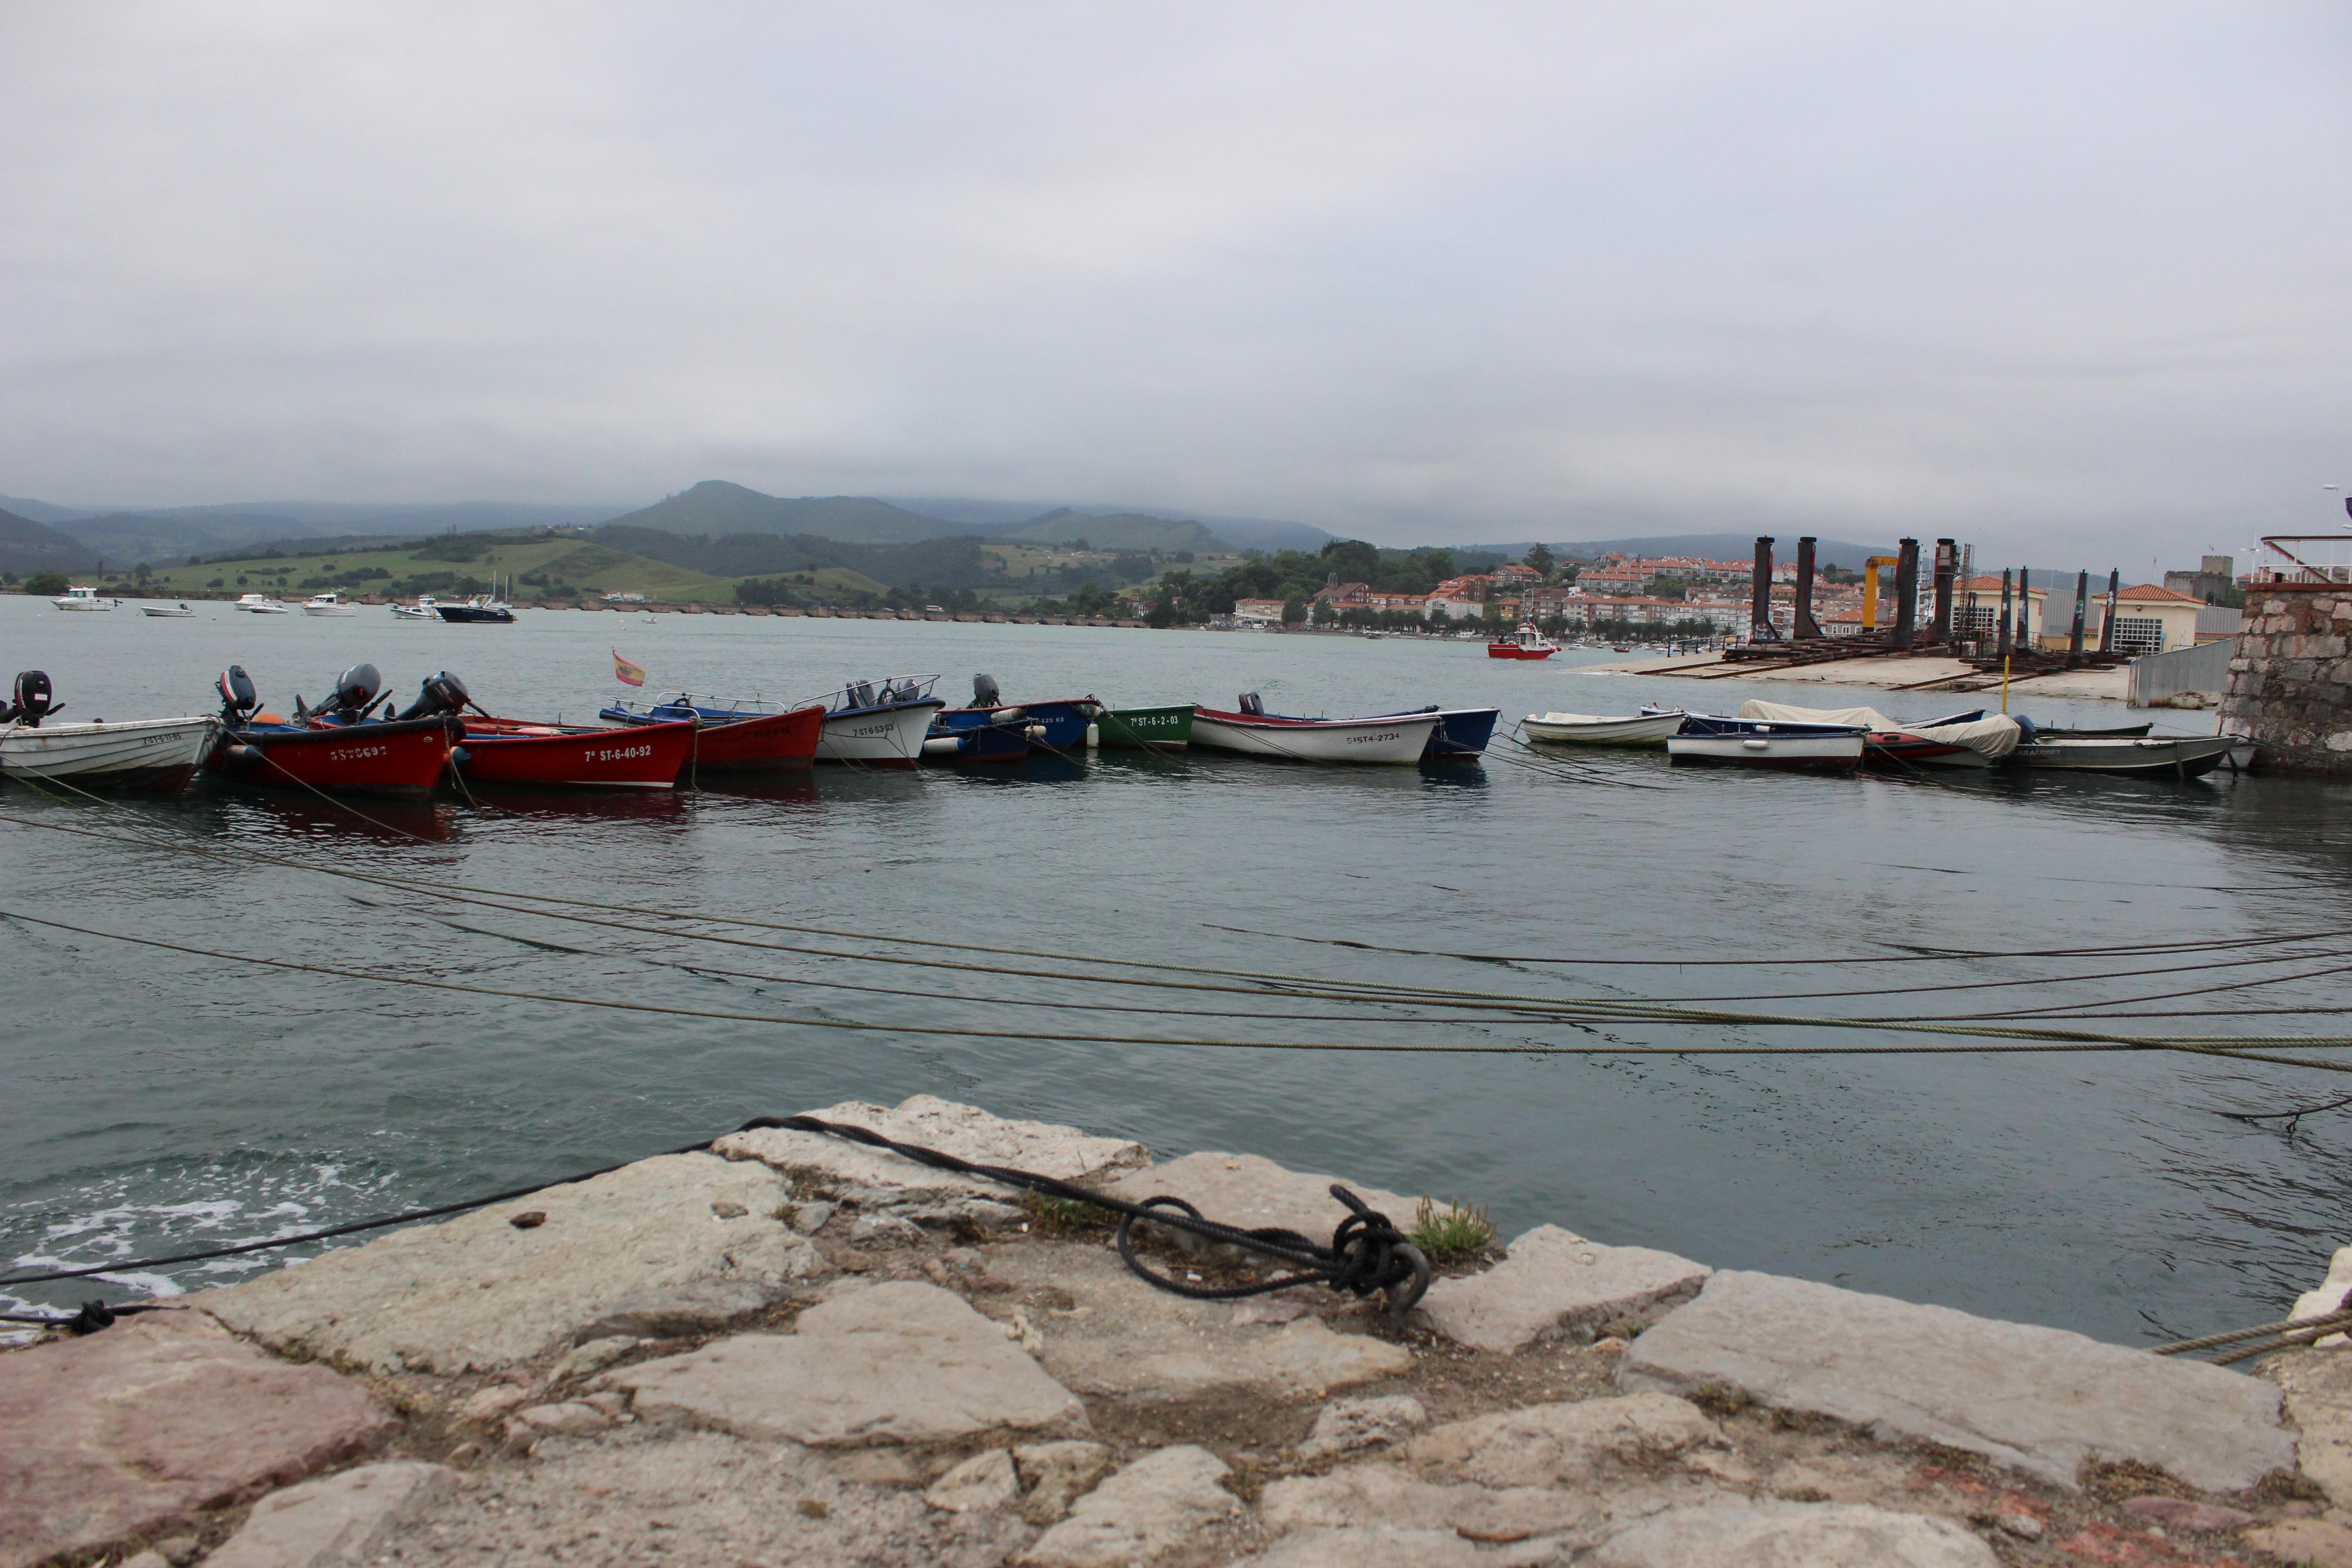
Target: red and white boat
pixel 1395 740
pixel 552 756
pixel 403 756
pixel 736 740
pixel 1525 643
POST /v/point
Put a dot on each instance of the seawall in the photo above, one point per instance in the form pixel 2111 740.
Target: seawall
pixel 2291 678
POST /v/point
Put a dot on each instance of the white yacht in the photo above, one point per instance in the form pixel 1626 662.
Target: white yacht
pixel 79 599
pixel 328 603
pixel 261 604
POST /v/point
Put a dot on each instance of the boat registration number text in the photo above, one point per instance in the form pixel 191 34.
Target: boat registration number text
pixel 356 753
pixel 1375 737
pixel 620 754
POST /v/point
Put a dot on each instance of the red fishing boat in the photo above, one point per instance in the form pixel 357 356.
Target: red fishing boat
pixel 513 751
pixel 1525 643
pixel 403 756
pixel 735 741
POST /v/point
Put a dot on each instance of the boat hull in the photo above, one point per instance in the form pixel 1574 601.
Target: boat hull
pixel 161 612
pixel 1829 753
pixel 888 735
pixel 751 743
pixel 1057 725
pixel 476 614
pixel 2189 758
pixel 403 757
pixel 1397 740
pixel 1596 729
pixel 139 754
pixel 1512 650
pixel 1145 729
pixel 1463 731
pixel 643 757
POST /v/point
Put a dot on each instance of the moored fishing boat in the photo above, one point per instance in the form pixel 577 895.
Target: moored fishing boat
pixel 1651 727
pixel 328 603
pixel 400 756
pixel 83 598
pixel 2186 756
pixel 1460 732
pixel 481 610
pixel 1525 643
pixel 426 608
pixel 1394 740
pixel 167 612
pixel 1753 742
pixel 878 724
pixel 261 604
pixel 1969 739
pixel 552 756
pixel 991 724
pixel 737 737
pixel 1146 728
pixel 137 753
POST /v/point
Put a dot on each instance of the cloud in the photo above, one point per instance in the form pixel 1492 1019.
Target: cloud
pixel 2039 276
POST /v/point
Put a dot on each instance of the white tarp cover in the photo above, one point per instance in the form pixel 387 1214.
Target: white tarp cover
pixel 1993 736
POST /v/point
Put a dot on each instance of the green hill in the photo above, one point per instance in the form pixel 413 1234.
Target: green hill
pixel 1118 530
pixel 26 547
pixel 717 509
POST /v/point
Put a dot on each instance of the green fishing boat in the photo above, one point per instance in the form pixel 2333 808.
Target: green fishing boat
pixel 1150 729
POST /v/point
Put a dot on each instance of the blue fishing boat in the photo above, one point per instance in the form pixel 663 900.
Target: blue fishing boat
pixel 989 729
pixel 1460 732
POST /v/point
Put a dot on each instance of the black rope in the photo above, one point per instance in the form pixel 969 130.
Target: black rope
pixel 1368 1252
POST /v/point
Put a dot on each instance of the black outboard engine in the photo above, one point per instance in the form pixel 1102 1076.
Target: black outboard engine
pixel 985 693
pixel 439 694
pixel 1252 702
pixel 239 698
pixel 861 695
pixel 31 702
pixel 355 693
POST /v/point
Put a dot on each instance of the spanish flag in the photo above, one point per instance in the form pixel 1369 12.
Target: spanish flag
pixel 626 673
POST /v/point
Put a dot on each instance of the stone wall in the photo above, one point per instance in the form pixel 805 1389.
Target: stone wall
pixel 2290 679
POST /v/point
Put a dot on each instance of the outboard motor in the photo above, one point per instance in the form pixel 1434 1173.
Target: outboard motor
pixel 1252 702
pixel 441 693
pixel 30 703
pixel 985 692
pixel 861 695
pixel 355 693
pixel 239 698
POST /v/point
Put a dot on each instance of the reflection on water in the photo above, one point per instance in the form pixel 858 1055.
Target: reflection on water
pixel 157 1096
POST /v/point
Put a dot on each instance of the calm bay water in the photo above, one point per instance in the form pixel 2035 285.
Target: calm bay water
pixel 157 1100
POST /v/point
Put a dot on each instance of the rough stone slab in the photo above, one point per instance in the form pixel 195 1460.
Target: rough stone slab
pixel 334 1520
pixel 1252 1192
pixel 636 1249
pixel 2042 1400
pixel 1556 1281
pixel 966 1132
pixel 1058 1475
pixel 986 1480
pixel 1559 1444
pixel 1376 1547
pixel 1120 1338
pixel 2309 1543
pixel 1782 1535
pixel 122 1432
pixel 1156 1506
pixel 1346 1425
pixel 1390 1496
pixel 2318 1388
pixel 903 1362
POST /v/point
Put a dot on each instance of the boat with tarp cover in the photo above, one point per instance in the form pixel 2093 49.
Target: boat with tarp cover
pixel 1972 740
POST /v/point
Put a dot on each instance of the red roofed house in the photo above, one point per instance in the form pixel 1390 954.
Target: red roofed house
pixel 2149 619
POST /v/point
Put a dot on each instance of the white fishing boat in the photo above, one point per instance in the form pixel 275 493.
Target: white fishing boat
pixel 328 603
pixel 261 604
pixel 167 612
pixel 1394 740
pixel 426 608
pixel 2186 756
pixel 83 598
pixel 878 724
pixel 1644 729
pixel 1751 742
pixel 141 753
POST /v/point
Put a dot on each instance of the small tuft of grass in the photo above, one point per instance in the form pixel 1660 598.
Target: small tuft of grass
pixel 1050 1215
pixel 1452 1234
pixel 1719 1400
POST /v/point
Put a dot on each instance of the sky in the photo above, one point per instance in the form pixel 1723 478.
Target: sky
pixel 2065 280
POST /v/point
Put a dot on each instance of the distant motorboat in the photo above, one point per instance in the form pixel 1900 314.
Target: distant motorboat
pixel 1525 643
pixel 328 603
pixel 167 612
pixel 426 608
pixel 482 609
pixel 83 598
pixel 261 604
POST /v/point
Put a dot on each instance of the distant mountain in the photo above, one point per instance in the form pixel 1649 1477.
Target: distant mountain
pixel 27 546
pixel 718 509
pixel 43 511
pixel 1261 533
pixel 997 517
pixel 128 537
pixel 1118 531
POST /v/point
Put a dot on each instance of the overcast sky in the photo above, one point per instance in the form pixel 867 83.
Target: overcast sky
pixel 2067 281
